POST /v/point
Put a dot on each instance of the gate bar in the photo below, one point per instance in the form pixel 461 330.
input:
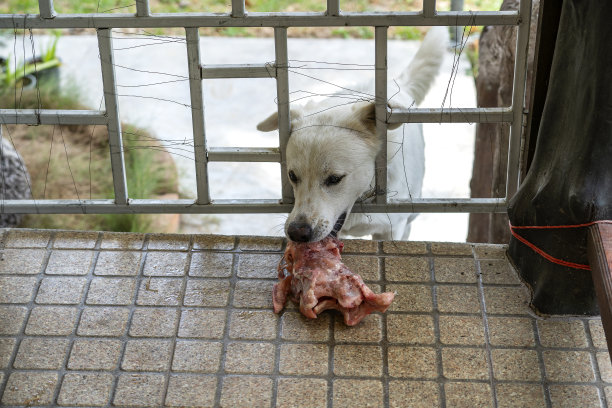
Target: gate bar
pixel 282 96
pixel 238 9
pixel 380 83
pixel 52 117
pixel 244 154
pixel 238 71
pixel 447 115
pixel 333 8
pixel 263 206
pixel 277 20
pixel 518 98
pixel 45 8
pixel 142 8
pixel 105 45
pixel 197 114
pixel 429 8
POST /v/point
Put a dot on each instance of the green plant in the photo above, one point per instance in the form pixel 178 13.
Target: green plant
pixel 48 53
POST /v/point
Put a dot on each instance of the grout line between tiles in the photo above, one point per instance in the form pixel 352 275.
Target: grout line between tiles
pixel 483 307
pixel 382 272
pixel 79 308
pixel 441 380
pixel 125 337
pixel 180 301
pixel 595 364
pixel 543 373
pixel 226 339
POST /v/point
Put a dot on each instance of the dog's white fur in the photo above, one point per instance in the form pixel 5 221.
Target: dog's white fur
pixel 340 141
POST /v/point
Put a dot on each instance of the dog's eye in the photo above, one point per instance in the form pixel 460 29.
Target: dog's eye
pixel 292 176
pixel 333 180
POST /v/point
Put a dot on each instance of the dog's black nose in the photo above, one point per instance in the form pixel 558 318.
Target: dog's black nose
pixel 299 232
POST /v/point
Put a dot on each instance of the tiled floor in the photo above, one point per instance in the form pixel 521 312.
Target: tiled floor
pixel 106 319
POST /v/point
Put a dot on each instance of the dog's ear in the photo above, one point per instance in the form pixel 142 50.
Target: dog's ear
pixel 365 113
pixel 271 123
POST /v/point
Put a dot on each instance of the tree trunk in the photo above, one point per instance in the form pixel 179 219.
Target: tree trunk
pixel 497 48
pixel 570 179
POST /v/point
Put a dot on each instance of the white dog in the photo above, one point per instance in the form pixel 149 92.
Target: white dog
pixel 332 150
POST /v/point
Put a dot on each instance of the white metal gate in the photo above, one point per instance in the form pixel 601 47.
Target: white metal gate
pixel 381 21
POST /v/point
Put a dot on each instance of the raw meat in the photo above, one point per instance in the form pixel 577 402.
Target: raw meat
pixel 313 275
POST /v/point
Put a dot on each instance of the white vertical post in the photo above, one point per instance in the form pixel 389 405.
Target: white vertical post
pixel 105 46
pixel 518 98
pixel 45 8
pixel 197 114
pixel 380 82
pixel 282 96
pixel 142 8
pixel 238 9
pixel 429 8
pixel 333 7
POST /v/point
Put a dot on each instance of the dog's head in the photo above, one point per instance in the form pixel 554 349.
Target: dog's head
pixel 330 163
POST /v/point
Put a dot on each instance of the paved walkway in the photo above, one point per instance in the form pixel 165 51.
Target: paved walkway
pixel 117 319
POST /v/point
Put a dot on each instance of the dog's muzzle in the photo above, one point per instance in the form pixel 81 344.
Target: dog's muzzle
pixel 299 232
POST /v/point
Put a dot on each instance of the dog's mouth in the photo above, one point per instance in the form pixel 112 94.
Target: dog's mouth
pixel 338 225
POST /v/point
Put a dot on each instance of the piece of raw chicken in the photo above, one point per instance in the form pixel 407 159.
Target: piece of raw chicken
pixel 313 275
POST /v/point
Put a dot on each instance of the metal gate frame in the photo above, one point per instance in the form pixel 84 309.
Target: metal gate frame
pixel 381 21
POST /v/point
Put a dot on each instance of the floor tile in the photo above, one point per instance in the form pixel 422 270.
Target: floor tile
pixel 513 364
pixel 21 261
pixel 86 389
pixel 414 394
pixel 369 393
pixel 568 366
pixel 249 358
pixel 468 395
pixel 197 390
pixel 413 269
pixel 369 330
pixel 466 330
pixel 465 363
pixel 69 262
pixel 103 321
pixel 41 353
pixel 51 321
pixel 360 361
pixel 30 388
pixel 16 289
pixel 95 354
pixel 147 355
pixel 411 329
pixel 411 298
pixel 243 391
pixel 455 270
pixel 304 359
pixel 563 334
pixel 165 264
pixel 197 356
pixel 412 362
pixel 253 325
pixel 154 322
pixel 118 263
pixel 301 392
pixel 572 396
pixel 297 327
pixel 520 396
pixel 139 390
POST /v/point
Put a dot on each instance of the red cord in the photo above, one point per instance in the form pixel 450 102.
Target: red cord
pixel 546 255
